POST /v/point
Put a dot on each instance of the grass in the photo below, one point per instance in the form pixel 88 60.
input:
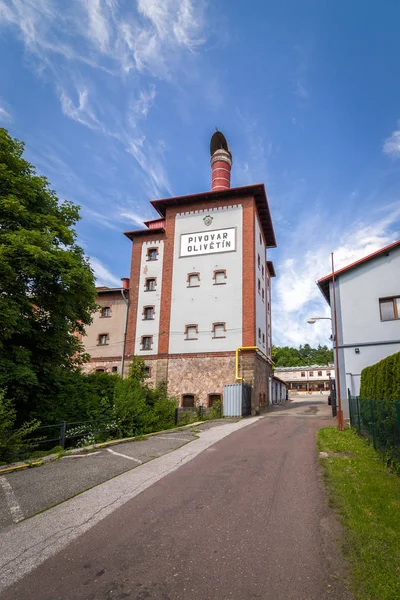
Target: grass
pixel 367 496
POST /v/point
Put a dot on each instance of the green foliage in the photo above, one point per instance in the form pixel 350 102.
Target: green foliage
pixel 138 408
pixel 301 357
pixel 367 497
pixel 47 291
pixel 13 442
pixel 382 380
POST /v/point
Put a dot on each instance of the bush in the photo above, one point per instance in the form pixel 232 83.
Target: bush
pixel 13 442
pixel 382 380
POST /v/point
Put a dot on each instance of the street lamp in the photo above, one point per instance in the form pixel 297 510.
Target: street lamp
pixel 312 320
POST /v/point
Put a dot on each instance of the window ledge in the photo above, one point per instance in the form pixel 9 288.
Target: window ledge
pixel 220 283
pixel 190 286
pixel 191 339
pixel 103 344
pixel 150 290
pixel 105 317
pixel 219 337
pixel 150 319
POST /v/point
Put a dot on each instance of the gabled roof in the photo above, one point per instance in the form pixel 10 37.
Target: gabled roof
pixel 258 191
pixel 324 282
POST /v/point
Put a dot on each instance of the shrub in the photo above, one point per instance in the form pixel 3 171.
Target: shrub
pixel 382 380
pixel 13 442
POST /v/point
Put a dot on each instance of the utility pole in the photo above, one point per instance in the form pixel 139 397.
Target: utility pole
pixel 340 420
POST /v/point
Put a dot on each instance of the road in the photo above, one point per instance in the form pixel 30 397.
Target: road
pixel 246 518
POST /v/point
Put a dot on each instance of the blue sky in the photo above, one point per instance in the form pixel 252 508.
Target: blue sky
pixel 116 101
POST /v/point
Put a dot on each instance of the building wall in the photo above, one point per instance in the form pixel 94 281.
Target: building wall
pixel 357 295
pixel 261 332
pixel 208 303
pixel 149 269
pixel 113 326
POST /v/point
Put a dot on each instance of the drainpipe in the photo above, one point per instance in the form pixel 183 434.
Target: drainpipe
pixel 237 358
pixel 125 283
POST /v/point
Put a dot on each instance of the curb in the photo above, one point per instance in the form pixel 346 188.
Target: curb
pixel 37 462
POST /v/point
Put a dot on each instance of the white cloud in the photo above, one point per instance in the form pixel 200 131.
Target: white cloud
pixel 82 111
pixel 103 274
pixel 133 217
pixel 392 144
pixel 5 115
pixel 296 294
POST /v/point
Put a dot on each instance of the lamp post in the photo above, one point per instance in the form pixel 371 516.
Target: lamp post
pixel 312 320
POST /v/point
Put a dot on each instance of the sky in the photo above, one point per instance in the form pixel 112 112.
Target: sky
pixel 116 101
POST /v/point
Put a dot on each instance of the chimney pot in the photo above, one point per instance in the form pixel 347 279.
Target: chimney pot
pixel 125 283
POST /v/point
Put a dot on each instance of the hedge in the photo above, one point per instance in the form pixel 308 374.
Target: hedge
pixel 382 380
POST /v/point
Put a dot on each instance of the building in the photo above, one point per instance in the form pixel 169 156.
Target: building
pixel 105 338
pixel 368 314
pixel 278 391
pixel 307 379
pixel 200 289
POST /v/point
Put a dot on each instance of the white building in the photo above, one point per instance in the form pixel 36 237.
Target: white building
pixel 368 314
pixel 306 379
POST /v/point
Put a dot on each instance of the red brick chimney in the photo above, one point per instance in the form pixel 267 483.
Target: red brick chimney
pixel 125 283
pixel 221 162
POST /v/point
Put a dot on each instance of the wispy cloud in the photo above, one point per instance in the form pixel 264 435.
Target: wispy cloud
pixel 103 274
pixel 81 111
pixel 5 116
pixel 391 147
pixel 132 217
pixel 296 294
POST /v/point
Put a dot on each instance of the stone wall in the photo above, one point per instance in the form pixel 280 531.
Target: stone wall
pixel 256 371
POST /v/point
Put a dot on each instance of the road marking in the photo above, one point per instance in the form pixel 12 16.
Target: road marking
pixel 124 456
pixel 11 499
pixel 80 455
pixel 170 437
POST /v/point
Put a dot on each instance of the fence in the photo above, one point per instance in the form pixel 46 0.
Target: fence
pixel 186 415
pixel 379 421
pixel 66 433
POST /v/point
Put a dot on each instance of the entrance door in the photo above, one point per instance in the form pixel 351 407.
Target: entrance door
pixel 246 399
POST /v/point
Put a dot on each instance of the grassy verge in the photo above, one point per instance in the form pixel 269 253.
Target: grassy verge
pixel 367 497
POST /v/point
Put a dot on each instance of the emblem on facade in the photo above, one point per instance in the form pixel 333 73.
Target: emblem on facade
pixel 208 220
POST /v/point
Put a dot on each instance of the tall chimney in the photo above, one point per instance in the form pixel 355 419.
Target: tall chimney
pixel 221 162
pixel 125 283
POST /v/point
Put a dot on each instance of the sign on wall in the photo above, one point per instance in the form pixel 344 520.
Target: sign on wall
pixel 209 242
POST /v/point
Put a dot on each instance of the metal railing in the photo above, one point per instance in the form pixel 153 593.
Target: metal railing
pixel 185 415
pixel 379 421
pixel 69 432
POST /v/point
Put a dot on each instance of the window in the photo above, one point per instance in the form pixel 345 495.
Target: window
pixel 148 313
pixel 328 373
pixel 191 332
pixel 114 370
pixel 103 340
pixel 193 280
pixel 302 374
pixel 150 285
pixel 219 277
pixel 147 341
pixel 262 271
pixel 264 338
pixel 152 254
pixel 213 398
pixel 259 333
pixel 260 239
pixel 187 400
pixel 259 286
pixel 262 293
pixel 100 370
pixel 311 373
pixel 258 260
pixel 147 371
pixel 319 373
pixel 390 308
pixel 219 330
pixel 106 311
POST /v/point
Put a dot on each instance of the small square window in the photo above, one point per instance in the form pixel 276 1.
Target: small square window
pixel 106 311
pixel 188 401
pixel 311 373
pixel 262 293
pixel 193 280
pixel 302 374
pixel 258 260
pixel 259 333
pixel 100 370
pixel 219 277
pixel 148 313
pixel 150 285
pixel 262 271
pixel 103 339
pixel 260 239
pixel 146 342
pixel 191 332
pixel 219 330
pixel 147 371
pixel 259 286
pixel 114 370
pixel 213 398
pixel 152 254
pixel 264 338
pixel 319 373
pixel 390 308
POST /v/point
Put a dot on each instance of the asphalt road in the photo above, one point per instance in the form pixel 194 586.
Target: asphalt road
pixel 246 518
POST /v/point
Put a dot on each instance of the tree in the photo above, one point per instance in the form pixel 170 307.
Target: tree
pixel 47 290
pixel 302 356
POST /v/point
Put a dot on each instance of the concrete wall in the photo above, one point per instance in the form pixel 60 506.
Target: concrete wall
pixel 261 304
pixel 208 303
pixel 149 268
pixel 357 295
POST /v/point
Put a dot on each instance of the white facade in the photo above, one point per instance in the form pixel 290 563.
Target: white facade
pixel 363 338
pixel 260 266
pixel 149 269
pixel 307 378
pixel 210 301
